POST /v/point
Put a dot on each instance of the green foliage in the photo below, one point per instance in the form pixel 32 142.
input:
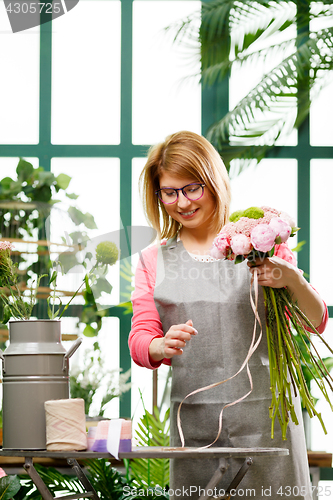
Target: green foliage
pixel 152 431
pixel 25 205
pixel 53 479
pixel 9 486
pixel 106 480
pixel 127 274
pixel 228 35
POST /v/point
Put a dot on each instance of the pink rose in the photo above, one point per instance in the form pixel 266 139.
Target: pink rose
pixel 281 228
pixel 222 243
pixel 216 253
pixel 263 237
pixel 2 473
pixel 241 244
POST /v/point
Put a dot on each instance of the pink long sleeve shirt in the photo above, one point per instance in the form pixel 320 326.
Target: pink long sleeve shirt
pixel 146 323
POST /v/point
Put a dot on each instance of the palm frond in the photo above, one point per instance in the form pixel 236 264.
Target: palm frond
pixel 152 431
pixel 107 480
pixel 278 103
pixel 54 480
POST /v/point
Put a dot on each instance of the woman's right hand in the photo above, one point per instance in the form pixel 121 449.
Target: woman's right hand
pixel 173 342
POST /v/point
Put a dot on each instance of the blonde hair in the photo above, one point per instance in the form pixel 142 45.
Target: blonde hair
pixel 184 154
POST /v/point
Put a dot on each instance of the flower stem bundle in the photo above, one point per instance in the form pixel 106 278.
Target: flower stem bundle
pixel 252 234
pixel 286 357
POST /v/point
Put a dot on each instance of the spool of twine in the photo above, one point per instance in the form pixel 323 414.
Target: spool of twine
pixel 65 425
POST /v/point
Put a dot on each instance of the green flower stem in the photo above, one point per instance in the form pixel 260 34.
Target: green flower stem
pixel 286 358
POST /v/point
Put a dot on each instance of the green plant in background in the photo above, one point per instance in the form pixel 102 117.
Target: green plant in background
pixel 126 273
pixel 95 383
pixel 106 255
pixel 19 306
pixel 227 35
pixel 152 431
pixel 106 480
pixel 25 207
pixel 14 303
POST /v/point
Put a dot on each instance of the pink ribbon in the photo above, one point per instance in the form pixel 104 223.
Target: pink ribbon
pixel 253 346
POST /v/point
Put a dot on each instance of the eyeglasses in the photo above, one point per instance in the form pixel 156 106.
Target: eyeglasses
pixel 192 192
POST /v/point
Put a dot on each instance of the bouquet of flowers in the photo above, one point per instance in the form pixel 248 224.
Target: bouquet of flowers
pixel 252 234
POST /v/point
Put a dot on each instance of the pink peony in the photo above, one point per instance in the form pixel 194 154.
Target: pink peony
pixel 216 253
pixel 263 237
pixel 2 473
pixel 241 244
pixel 281 228
pixel 270 210
pixel 287 218
pixel 222 244
pixel 229 230
pixel 245 225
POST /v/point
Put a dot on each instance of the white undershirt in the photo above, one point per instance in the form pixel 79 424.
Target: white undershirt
pixel 199 258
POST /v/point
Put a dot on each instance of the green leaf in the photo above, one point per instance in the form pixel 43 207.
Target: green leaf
pixel 239 259
pixel 9 486
pixel 45 178
pixel 68 261
pixel 102 285
pixel 89 331
pixel 72 196
pixel 42 193
pixel 53 277
pixel 79 217
pixel 63 181
pixel 6 183
pixel 299 246
pixel 24 170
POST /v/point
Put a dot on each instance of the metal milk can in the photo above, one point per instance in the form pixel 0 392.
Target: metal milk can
pixel 34 370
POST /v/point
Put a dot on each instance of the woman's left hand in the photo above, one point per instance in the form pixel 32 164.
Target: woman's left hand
pixel 273 271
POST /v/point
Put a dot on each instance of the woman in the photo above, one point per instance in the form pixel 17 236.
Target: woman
pixel 194 313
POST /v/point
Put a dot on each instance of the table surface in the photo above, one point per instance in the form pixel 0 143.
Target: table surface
pixel 152 452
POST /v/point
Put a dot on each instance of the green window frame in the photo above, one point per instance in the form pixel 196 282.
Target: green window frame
pixel 215 98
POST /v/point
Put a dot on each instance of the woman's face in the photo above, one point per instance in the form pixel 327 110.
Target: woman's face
pixel 191 214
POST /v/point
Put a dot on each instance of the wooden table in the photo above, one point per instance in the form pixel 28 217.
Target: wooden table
pixel 72 458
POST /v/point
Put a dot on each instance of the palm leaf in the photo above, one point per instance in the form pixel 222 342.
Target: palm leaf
pixel 278 103
pixel 54 480
pixel 152 431
pixel 107 480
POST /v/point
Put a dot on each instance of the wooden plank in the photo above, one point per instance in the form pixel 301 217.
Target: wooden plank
pixel 319 459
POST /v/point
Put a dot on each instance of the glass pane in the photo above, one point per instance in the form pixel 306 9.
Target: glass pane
pixel 163 101
pixel 86 74
pixel 19 84
pixel 272 183
pixel 96 180
pixel 321 118
pixel 321 206
pixel 103 376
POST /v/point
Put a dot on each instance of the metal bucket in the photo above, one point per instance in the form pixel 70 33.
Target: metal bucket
pixel 34 370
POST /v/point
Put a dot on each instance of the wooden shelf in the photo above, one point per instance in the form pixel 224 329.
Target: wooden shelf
pixel 319 459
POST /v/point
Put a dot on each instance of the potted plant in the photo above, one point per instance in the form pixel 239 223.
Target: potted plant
pixel 35 365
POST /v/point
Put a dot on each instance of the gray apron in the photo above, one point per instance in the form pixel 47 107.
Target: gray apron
pixel 215 295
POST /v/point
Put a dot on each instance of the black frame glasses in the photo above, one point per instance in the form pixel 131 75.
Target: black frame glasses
pixel 159 194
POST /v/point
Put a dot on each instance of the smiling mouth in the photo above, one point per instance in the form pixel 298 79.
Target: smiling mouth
pixel 188 213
